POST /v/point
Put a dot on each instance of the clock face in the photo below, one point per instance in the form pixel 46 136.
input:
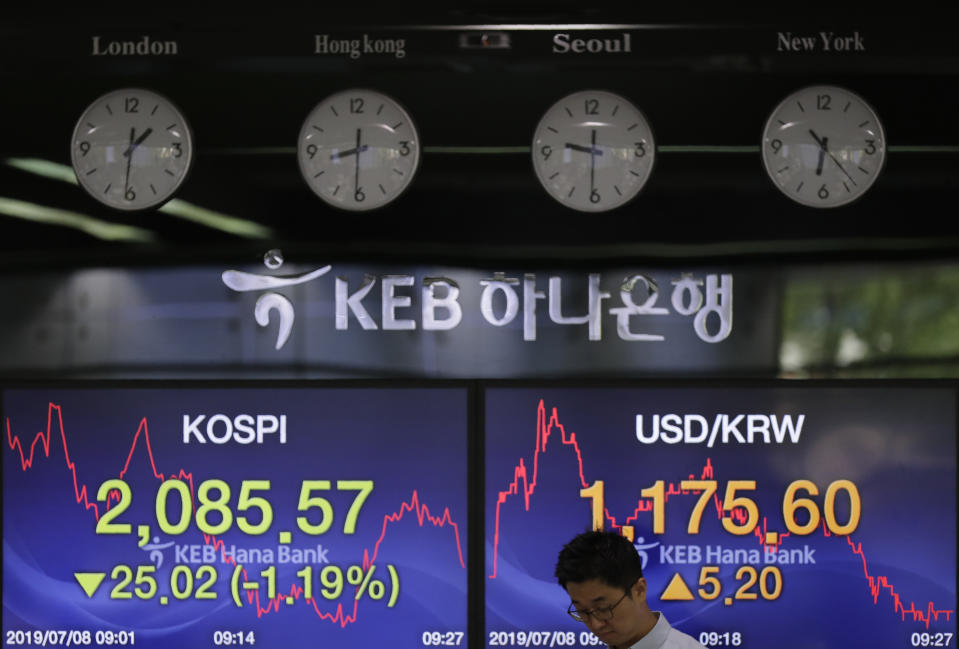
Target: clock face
pixel 358 150
pixel 593 151
pixel 131 149
pixel 823 146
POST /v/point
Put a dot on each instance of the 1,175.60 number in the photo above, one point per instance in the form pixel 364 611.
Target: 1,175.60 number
pixel 743 511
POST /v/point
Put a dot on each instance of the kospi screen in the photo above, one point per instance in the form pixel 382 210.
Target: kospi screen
pixel 801 517
pixel 270 517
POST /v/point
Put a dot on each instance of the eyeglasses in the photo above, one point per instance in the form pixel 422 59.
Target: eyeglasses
pixel 601 613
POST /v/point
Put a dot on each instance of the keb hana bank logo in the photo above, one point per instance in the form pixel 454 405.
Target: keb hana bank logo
pixel 635 303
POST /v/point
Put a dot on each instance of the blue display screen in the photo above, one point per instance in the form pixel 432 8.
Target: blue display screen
pixel 243 516
pixel 813 516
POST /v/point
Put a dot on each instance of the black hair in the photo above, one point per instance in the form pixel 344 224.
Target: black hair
pixel 606 556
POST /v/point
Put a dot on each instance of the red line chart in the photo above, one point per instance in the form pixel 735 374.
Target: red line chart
pixel 342 616
pixel 524 483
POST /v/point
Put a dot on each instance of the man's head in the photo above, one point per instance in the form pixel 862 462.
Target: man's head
pixel 603 575
pixel 605 556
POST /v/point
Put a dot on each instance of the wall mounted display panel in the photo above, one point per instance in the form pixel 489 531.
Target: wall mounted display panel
pixel 217 515
pixel 822 513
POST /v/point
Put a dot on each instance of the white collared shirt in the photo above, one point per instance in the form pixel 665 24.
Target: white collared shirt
pixel 664 636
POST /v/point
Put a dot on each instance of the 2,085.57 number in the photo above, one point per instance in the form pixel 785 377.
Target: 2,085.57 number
pixel 119 491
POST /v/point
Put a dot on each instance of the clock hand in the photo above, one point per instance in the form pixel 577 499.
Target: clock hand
pixel 842 169
pixel 822 157
pixel 140 139
pixel 349 152
pixel 825 151
pixel 137 142
pixel 129 153
pixel 126 180
pixel 584 149
pixel 821 143
pixel 592 162
pixel 356 186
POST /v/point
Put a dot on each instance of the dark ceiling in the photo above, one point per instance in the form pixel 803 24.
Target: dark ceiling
pixel 707 82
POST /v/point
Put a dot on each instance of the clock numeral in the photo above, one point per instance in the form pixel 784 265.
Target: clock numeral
pixel 358 195
pixel 823 101
pixel 592 106
pixel 594 197
pixel 546 151
pixel 404 147
pixel 131 105
pixel 823 192
pixel 177 150
pixel 870 147
pixel 776 145
pixel 356 105
pixel 130 195
pixel 311 150
pixel 84 148
pixel 640 149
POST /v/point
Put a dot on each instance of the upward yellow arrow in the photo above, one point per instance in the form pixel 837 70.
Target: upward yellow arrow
pixel 89 581
pixel 677 589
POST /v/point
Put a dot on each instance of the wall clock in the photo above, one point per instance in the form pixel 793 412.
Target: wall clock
pixel 131 149
pixel 823 146
pixel 358 149
pixel 593 151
